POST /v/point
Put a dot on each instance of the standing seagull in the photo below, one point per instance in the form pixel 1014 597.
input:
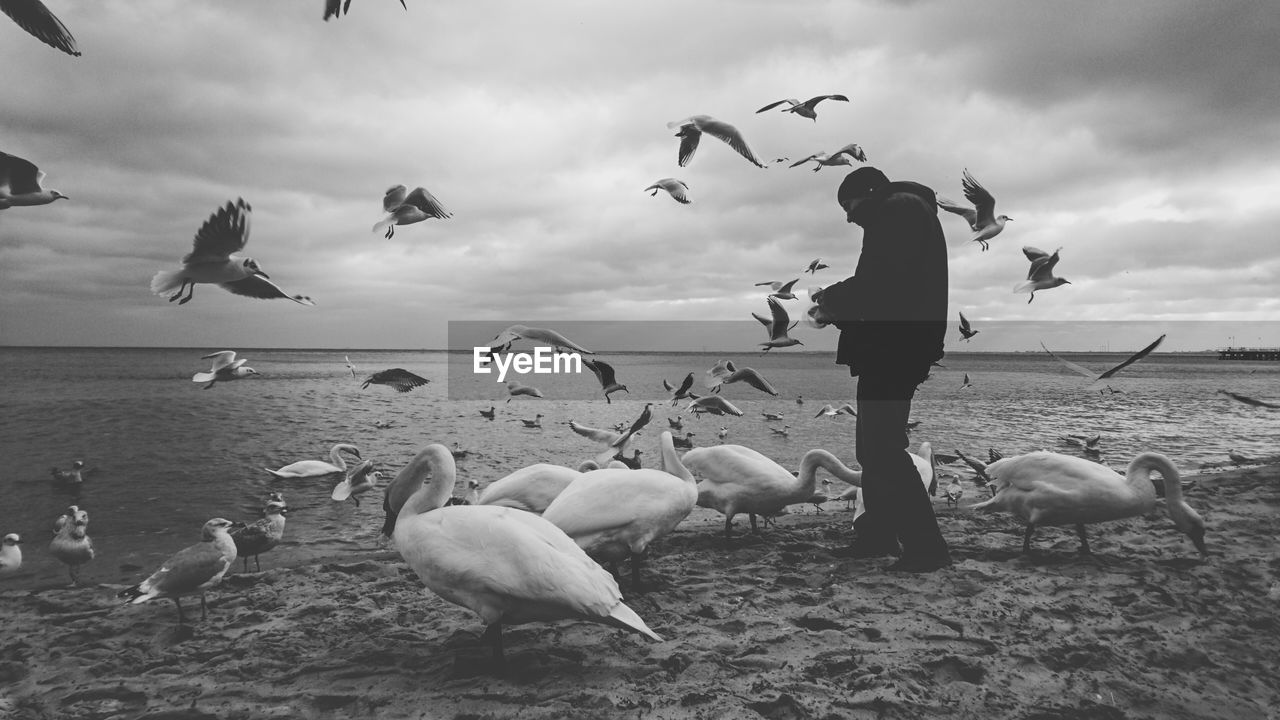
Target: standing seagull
pixel 337 8
pixel 406 208
pixel 399 378
pixel 211 261
pixel 261 535
pixel 778 329
pixel 10 555
pixel 981 217
pixel 192 570
pixel 966 330
pixel 691 129
pixel 1040 276
pixel 844 156
pixel 225 367
pixel 808 108
pixel 35 18
pixel 72 544
pixel 677 188
pixel 20 183
pixel 605 374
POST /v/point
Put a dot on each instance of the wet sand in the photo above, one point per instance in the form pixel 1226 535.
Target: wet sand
pixel 775 625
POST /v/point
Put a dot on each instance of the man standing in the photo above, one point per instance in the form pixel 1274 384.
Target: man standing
pixel 892 315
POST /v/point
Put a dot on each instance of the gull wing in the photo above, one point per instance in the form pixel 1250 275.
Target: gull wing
pixel 427 203
pixel 256 286
pixel 601 436
pixel 221 359
pixel 813 101
pixel 394 197
pixel 1042 267
pixel 816 156
pixel 787 288
pixel 781 321
pixel 19 175
pixel 964 324
pixel 1133 358
pixel 1073 366
pixel 35 18
pixel 677 188
pixel 689 137
pixel 853 150
pixel 967 213
pixel 983 203
pixel 399 378
pixel 225 232
pixel 1248 400
pixel 604 372
pixel 724 131
pixel 790 102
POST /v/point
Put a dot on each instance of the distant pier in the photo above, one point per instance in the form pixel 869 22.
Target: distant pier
pixel 1243 353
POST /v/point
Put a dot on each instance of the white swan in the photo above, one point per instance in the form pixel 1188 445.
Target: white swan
pixel 615 513
pixel 317 468
pixel 1047 488
pixel 505 565
pixel 72 544
pixel 737 479
pixel 530 488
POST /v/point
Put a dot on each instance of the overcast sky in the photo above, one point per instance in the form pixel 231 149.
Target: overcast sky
pixel 1140 137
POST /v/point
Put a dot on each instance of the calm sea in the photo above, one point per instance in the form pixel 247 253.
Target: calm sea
pixel 164 455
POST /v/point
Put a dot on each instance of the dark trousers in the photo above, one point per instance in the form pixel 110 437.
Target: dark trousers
pixel 897 505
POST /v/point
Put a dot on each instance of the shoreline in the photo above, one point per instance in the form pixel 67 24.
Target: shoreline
pixel 773 625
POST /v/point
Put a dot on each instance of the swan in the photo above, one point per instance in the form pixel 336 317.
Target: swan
pixel 505 565
pixel 260 535
pixel 530 488
pixel 193 569
pixel 615 513
pixel 737 479
pixel 317 468
pixel 72 544
pixel 1047 488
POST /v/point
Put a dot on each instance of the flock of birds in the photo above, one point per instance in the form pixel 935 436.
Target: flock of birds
pixel 528 547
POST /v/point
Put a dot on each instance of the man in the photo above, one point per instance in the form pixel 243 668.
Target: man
pixel 892 316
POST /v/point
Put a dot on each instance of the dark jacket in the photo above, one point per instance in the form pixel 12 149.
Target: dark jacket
pixel 892 313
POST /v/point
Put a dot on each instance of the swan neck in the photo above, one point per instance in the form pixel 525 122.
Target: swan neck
pixel 671 460
pixel 819 458
pixel 409 495
pixel 1139 476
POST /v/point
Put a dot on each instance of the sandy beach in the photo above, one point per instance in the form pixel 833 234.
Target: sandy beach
pixel 775 625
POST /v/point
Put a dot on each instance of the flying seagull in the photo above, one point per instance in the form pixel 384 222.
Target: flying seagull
pixel 713 404
pixel 211 261
pixel 677 188
pixel 645 416
pixel 1040 276
pixel 844 156
pixel 781 290
pixel 981 217
pixel 803 109
pixel 691 129
pixel 1248 400
pixel 225 367
pixel 815 266
pixel 966 330
pixel 681 392
pixel 605 374
pixel 405 208
pixel 35 18
pixel 1096 377
pixel 725 373
pixel 338 8
pixel 20 183
pixel 779 327
pixel 399 378
pixel 546 336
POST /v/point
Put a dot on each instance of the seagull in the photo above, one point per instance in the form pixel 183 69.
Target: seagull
pixel 844 156
pixel 827 410
pixel 542 335
pixel 677 423
pixel 406 208
pixel 723 432
pixel 20 183
pixel 725 373
pixel 1248 400
pixel 1108 373
pixel 1240 458
pixel 966 383
pixel 358 481
pixel 211 261
pixel 713 404
pixel 261 535
pixel 35 18
pixel 225 367
pixel 967 331
pixel 488 414
pixel 632 462
pixel 337 8
pixel 771 416
pixel 691 129
pixel 678 189
pixel 399 378
pixel 808 108
pixel 778 329
pixel 605 374
pixel 192 570
pixel 1040 276
pixel 815 266
pixel 847 409
pixel 350 367
pixel 954 492
pixel 685 442
pixel 784 431
pixel 72 544
pixel 10 555
pixel 645 415
pixel 680 393
pixel 514 388
pixel 981 217
pixel 781 290
pixel 74 475
pixel 536 422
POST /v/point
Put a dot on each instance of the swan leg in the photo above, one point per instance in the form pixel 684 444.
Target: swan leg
pixel 178 604
pixel 636 561
pixel 257 563
pixel 754 529
pixel 728 527
pixel 1084 541
pixel 493 636
pixel 1026 539
pixel 245 558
